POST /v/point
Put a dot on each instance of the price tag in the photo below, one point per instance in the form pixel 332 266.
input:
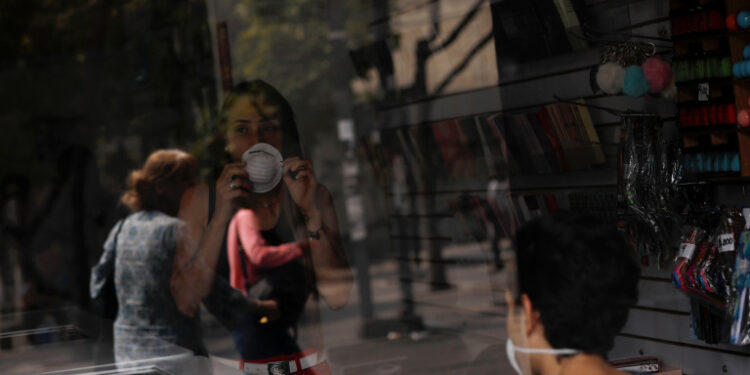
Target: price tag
pixel 726 242
pixel 703 92
pixel 687 250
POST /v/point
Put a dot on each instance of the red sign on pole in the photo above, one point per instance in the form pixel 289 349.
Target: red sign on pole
pixel 225 58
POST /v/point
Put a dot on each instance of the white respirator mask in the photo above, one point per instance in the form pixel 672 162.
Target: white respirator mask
pixel 264 167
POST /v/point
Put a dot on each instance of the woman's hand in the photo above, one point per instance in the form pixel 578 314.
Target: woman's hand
pixel 270 310
pixel 301 182
pixel 232 183
pixel 304 245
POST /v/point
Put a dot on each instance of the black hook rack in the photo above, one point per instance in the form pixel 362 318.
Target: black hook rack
pixel 612 111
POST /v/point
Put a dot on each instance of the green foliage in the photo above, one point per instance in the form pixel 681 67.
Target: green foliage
pixel 286 43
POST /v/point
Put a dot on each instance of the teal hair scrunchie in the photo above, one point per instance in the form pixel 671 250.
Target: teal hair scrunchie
pixel 635 82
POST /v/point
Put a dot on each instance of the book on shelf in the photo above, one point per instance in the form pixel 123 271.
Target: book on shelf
pixel 584 116
pixel 494 123
pixel 532 204
pixel 559 137
pixel 532 30
pixel 546 121
pixel 518 146
pixel 577 149
pixel 489 157
pixel 556 121
pixel 499 200
pixel 538 156
pixel 521 210
pixel 494 141
pixel 525 207
pixel 408 153
pixel 551 202
pixel 449 139
pixel 544 141
pixel 473 149
pixel 412 136
pixel 571 24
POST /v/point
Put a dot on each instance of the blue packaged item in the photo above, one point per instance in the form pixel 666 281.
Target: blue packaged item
pixel 692 161
pixel 735 164
pixel 740 328
pixel 698 163
pixel 719 164
pixel 725 159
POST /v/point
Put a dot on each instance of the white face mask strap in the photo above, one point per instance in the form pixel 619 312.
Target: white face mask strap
pixel 512 349
pixel 546 351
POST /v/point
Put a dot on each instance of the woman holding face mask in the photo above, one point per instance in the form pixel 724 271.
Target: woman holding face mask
pixel 281 209
pixel 577 279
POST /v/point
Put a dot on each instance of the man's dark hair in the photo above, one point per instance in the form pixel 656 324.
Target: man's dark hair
pixel 581 276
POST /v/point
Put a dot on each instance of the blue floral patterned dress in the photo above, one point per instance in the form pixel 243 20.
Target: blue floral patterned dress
pixel 148 322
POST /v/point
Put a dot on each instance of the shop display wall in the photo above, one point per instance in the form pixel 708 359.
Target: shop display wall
pixel 659 323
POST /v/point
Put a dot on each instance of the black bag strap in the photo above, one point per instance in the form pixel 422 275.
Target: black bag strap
pixel 114 242
pixel 117 235
pixel 105 301
pixel 211 200
pixel 243 265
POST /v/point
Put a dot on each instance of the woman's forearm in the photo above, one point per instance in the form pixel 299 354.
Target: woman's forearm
pixel 195 265
pixel 207 255
pixel 332 271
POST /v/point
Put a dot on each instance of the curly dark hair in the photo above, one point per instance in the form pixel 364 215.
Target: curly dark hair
pixel 582 277
pixel 153 187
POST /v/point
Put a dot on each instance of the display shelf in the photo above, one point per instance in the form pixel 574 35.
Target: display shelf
pixel 697 8
pixel 737 42
pixel 593 178
pixel 711 80
pixel 726 180
pixel 712 179
pixel 721 52
pixel 701 35
pixel 710 129
pixel 700 103
pixel 722 147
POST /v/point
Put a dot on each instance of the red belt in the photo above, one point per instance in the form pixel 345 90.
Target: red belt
pixel 279 365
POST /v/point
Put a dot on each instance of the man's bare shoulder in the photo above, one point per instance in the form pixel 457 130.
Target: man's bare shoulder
pixel 590 365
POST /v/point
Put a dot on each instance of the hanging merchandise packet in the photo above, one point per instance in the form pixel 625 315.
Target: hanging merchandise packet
pixel 725 245
pixel 706 269
pixel 740 329
pixel 694 281
pixel 691 235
